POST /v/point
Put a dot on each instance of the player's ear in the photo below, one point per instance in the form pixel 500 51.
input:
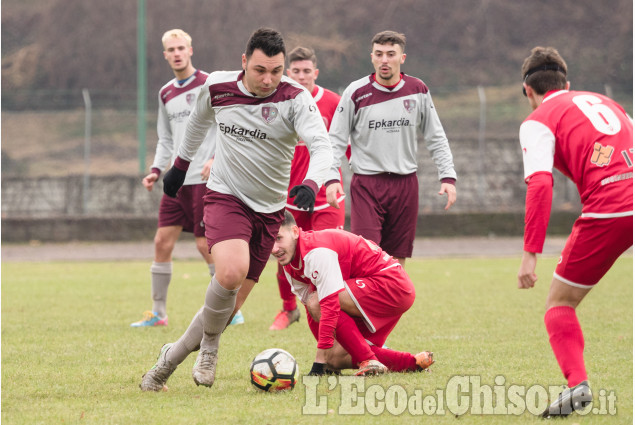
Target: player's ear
pixel 296 232
pixel 244 61
pixel 568 85
pixel 403 58
pixel 317 72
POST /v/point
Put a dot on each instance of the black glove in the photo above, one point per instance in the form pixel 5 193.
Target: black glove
pixel 304 197
pixel 318 368
pixel 172 181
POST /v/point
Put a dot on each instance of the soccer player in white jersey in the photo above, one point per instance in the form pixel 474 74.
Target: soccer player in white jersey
pixel 589 138
pixel 354 294
pixel 303 69
pixel 381 114
pixel 260 114
pixel 184 213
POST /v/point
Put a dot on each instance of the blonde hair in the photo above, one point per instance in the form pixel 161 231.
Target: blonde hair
pixel 176 33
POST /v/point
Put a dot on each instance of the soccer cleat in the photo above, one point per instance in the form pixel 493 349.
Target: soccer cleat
pixel 150 318
pixel 204 370
pixel 155 378
pixel 424 360
pixel 575 398
pixel 284 319
pixel 238 319
pixel 371 367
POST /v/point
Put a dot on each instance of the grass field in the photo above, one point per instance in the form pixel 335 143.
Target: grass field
pixel 69 355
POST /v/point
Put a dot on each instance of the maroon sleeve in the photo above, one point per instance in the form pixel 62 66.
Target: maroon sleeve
pixel 537 210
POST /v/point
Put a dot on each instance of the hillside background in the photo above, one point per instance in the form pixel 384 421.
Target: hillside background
pixel 52 49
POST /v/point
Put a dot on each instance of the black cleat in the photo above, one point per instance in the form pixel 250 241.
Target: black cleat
pixel 576 398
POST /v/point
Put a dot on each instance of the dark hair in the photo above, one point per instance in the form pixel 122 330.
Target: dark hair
pixel 288 219
pixel 389 37
pixel 303 54
pixel 544 70
pixel 268 40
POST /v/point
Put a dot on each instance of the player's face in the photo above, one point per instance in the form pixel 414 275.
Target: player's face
pixel 284 247
pixel 387 60
pixel 304 72
pixel 262 73
pixel 177 53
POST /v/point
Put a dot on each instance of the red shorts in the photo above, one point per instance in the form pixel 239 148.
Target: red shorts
pixel 384 210
pixel 326 218
pixel 227 217
pixel 186 210
pixel 382 299
pixel 592 248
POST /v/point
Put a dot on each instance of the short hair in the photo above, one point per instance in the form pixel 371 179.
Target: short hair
pixel 289 220
pixel 544 70
pixel 176 33
pixel 389 37
pixel 268 40
pixel 303 54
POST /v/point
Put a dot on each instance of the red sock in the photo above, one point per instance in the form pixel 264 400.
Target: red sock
pixel 396 361
pixel 567 342
pixel 288 298
pixel 351 339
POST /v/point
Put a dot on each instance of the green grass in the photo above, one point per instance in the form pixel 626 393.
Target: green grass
pixel 69 355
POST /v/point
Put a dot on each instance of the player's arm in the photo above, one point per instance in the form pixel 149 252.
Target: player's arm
pixel 339 133
pixel 198 124
pixel 538 146
pixel 165 147
pixel 321 265
pixel 437 144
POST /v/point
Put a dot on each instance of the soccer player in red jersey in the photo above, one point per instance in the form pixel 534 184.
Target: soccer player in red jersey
pixel 589 138
pixel 354 293
pixel 303 69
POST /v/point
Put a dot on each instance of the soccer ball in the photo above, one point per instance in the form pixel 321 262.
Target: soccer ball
pixel 274 370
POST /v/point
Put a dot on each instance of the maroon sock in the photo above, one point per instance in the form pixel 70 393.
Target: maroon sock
pixel 396 361
pixel 567 342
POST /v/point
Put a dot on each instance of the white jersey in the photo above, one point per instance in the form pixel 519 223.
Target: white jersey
pixel 382 125
pixel 175 104
pixel 256 138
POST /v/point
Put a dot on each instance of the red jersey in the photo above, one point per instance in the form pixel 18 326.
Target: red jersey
pixel 589 138
pixel 323 261
pixel 327 104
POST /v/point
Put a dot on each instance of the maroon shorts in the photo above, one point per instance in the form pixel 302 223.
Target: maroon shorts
pixel 592 248
pixel 384 209
pixel 382 299
pixel 227 217
pixel 186 210
pixel 325 218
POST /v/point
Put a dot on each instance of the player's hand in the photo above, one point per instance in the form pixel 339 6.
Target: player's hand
pixel 149 180
pixel 526 275
pixel 304 197
pixel 333 193
pixel 207 168
pixel 317 369
pixel 174 178
pixel 450 189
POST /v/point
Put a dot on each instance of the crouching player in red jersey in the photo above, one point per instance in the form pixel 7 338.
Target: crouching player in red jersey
pixel 589 138
pixel 354 294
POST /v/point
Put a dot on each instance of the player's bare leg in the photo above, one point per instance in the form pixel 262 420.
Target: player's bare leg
pixel 567 342
pixel 232 264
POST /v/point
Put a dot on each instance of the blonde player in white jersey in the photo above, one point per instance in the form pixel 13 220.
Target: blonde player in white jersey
pixel 185 213
pixel 260 115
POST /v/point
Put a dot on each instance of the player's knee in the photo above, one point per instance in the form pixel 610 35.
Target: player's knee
pixel 231 275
